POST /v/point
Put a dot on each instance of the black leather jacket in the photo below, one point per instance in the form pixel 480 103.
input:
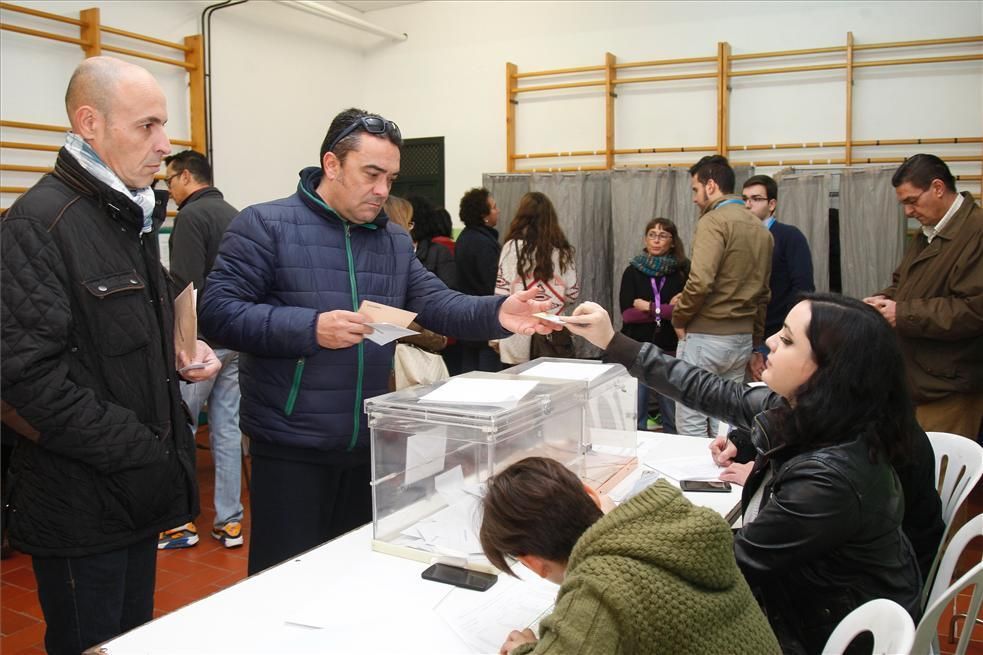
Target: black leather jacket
pixel 828 534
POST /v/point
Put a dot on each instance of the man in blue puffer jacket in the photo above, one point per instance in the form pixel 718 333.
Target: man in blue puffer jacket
pixel 284 291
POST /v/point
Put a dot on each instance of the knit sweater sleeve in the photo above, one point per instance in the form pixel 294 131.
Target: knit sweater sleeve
pixel 582 623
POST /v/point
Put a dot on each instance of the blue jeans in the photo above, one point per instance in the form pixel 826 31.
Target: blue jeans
pixel 222 395
pixel 724 355
pixel 667 408
pixel 90 599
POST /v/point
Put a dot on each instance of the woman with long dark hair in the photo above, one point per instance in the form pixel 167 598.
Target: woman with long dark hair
pixel 537 254
pixel 823 505
pixel 650 281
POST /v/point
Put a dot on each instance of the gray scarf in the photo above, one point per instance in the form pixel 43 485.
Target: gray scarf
pixel 90 161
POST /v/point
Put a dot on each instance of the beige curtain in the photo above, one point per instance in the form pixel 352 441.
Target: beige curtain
pixel 803 201
pixel 872 228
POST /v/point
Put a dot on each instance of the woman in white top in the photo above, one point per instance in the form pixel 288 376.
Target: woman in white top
pixel 536 253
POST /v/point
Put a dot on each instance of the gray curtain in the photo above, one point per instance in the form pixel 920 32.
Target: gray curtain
pixel 507 189
pixel 641 194
pixel 872 227
pixel 803 201
pixel 583 206
pixel 637 196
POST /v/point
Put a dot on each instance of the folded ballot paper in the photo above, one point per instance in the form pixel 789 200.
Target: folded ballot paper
pixel 387 323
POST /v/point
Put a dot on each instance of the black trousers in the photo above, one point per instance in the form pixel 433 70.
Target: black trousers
pixel 88 600
pixel 297 505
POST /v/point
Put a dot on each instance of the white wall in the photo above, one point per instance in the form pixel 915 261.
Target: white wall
pixel 34 72
pixel 449 78
pixel 279 76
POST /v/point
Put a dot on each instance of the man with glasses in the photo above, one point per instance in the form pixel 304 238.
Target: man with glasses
pixel 791 262
pixel 202 218
pixel 720 315
pixel 936 299
pixel 285 292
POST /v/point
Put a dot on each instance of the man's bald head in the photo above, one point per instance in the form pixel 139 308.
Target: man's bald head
pixel 120 111
pixel 96 83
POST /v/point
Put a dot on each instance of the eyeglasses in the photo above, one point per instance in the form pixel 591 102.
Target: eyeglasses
pixel 911 202
pixel 167 180
pixel 755 198
pixel 373 125
pixel 658 236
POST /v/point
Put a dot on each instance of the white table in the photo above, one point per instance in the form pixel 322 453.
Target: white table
pixel 374 603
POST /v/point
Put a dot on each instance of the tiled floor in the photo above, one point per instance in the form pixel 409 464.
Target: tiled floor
pixel 183 575
pixel 187 575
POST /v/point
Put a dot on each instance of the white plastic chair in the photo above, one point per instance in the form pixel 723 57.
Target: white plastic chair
pixel 947 565
pixel 928 627
pixel 958 467
pixel 891 625
pixel 955 548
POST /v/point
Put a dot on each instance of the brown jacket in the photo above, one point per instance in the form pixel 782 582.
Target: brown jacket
pixel 727 290
pixel 938 288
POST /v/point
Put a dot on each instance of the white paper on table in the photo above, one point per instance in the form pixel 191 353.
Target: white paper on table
pixel 567 371
pixel 383 333
pixel 425 454
pixel 483 620
pixel 696 467
pixel 480 391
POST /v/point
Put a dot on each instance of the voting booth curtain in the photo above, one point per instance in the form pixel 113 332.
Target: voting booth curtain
pixel 872 230
pixel 803 201
pixel 604 213
pixel 583 207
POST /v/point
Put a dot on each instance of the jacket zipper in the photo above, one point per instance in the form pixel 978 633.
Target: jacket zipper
pixel 288 409
pixel 357 418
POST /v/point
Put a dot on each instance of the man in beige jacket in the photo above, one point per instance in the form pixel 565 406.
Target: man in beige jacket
pixel 720 315
pixel 935 301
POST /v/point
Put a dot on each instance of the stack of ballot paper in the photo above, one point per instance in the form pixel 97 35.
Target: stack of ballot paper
pixel 453 530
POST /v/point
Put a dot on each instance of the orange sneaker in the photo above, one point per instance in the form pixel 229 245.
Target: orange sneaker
pixel 229 534
pixel 183 536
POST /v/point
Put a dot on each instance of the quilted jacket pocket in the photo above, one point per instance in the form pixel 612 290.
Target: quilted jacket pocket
pixel 119 315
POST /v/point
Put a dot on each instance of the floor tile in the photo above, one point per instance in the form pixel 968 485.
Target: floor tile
pixel 11 621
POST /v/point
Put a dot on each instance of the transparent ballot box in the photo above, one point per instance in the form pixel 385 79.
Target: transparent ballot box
pixel 434 445
pixel 610 414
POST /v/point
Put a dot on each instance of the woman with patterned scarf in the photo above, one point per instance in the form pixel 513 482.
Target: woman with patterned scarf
pixel 651 280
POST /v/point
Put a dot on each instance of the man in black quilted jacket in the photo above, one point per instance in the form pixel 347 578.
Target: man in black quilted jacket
pixel 89 369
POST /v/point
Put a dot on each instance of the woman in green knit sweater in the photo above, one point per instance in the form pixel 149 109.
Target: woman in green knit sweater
pixel 656 574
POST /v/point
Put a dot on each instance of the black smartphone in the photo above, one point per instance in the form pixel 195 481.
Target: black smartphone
pixel 455 575
pixel 705 485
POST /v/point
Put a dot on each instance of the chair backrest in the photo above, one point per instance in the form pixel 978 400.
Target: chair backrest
pixel 928 627
pixel 958 467
pixel 949 558
pixel 891 625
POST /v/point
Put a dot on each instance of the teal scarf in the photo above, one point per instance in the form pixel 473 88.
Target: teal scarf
pixel 654 266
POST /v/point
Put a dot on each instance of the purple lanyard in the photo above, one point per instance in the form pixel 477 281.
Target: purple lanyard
pixel 657 299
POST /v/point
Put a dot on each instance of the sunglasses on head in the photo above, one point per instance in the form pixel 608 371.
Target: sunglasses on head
pixel 373 125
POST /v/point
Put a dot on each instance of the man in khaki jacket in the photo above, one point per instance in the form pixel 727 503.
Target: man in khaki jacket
pixel 720 315
pixel 936 299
